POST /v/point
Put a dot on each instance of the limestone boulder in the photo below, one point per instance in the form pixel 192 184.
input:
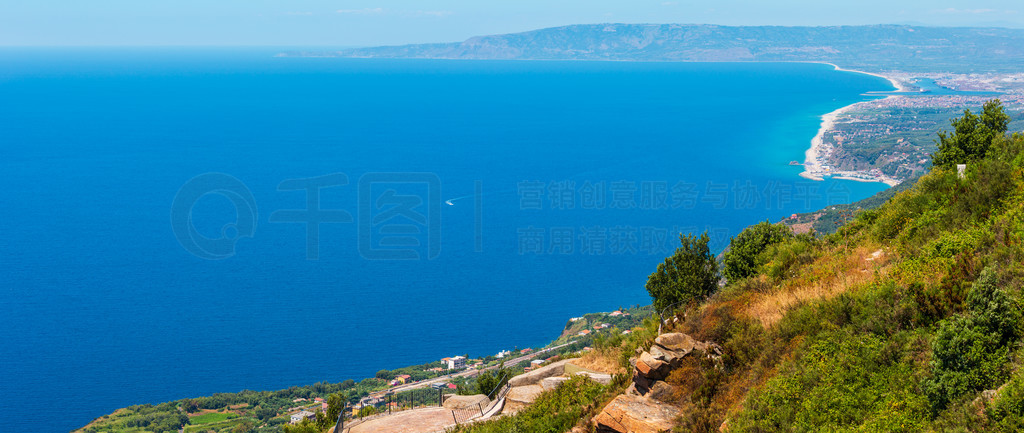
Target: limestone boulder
pixel 603 379
pixel 521 396
pixel 635 414
pixel 466 401
pixel 550 383
pixel 534 377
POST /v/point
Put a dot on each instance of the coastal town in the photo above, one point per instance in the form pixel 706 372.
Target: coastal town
pixel 891 139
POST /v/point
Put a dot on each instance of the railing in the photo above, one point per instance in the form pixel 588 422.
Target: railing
pixel 462 416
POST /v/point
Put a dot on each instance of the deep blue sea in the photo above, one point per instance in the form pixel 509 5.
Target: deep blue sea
pixel 179 222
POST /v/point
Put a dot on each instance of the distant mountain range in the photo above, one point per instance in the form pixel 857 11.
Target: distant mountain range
pixel 875 47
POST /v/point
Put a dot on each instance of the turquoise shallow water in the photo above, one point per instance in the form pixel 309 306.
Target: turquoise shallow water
pixel 567 182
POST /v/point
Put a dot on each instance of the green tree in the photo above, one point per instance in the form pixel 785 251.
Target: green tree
pixel 487 382
pixel 264 413
pixel 367 411
pixel 744 258
pixel 189 405
pixel 690 274
pixel 972 135
pixel 306 426
pixel 244 427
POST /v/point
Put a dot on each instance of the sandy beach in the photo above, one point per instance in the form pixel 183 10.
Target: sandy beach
pixel 813 158
pixel 895 83
pixel 816 157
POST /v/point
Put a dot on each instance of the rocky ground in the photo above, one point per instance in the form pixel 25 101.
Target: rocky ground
pixel 646 406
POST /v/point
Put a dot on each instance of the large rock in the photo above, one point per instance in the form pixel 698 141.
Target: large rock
pixel 641 384
pixel 534 377
pixel 671 357
pixel 550 383
pixel 676 341
pixel 603 379
pixel 652 368
pixel 466 401
pixel 635 414
pixel 521 396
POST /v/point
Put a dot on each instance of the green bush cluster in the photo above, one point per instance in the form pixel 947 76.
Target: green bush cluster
pixel 972 135
pixel 689 275
pixel 971 351
pixel 553 411
pixel 843 381
pixel 747 251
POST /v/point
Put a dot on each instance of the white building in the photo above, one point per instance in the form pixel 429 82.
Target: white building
pixel 298 417
pixel 456 363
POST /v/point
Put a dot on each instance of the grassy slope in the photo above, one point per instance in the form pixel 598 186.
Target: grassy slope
pixel 840 333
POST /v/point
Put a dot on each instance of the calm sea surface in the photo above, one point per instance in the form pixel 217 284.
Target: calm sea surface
pixel 176 222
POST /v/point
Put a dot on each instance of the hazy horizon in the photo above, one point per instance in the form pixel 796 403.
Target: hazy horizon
pixel 397 22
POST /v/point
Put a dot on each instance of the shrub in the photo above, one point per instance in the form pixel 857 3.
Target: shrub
pixel 744 257
pixel 691 274
pixel 970 351
pixel 553 411
pixel 842 381
pixel 972 135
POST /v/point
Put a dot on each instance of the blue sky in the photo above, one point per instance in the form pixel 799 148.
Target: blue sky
pixel 370 22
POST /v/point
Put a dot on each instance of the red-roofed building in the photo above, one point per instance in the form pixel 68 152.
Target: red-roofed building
pixel 452 386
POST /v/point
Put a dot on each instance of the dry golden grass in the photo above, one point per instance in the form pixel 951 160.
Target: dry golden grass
pixel 600 361
pixel 837 271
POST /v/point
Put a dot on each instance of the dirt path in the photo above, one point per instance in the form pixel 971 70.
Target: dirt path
pixel 410 421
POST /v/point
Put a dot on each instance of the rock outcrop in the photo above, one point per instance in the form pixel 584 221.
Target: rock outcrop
pixel 635 414
pixel 550 383
pixel 646 406
pixel 603 379
pixel 521 396
pixel 534 377
pixel 466 401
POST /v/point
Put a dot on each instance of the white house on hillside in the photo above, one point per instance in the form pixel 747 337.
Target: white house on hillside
pixel 456 362
pixel 298 417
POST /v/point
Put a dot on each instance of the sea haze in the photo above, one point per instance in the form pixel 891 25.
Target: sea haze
pixel 104 307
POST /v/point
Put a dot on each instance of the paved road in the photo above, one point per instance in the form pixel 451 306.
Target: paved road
pixel 466 373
